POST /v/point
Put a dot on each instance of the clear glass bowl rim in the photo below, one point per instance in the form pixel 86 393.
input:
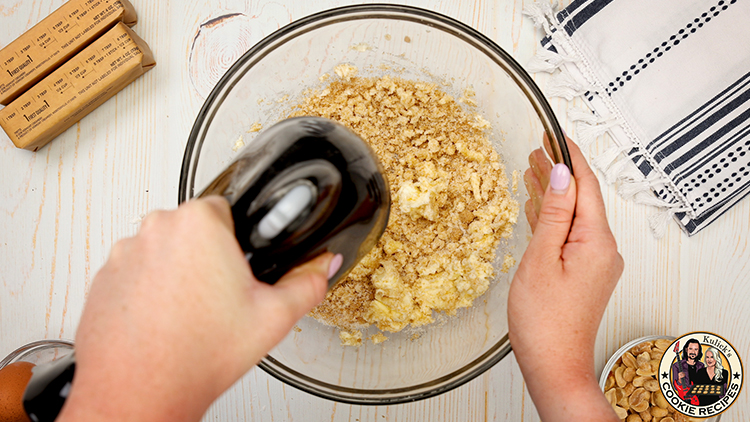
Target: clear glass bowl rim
pixel 34 347
pixel 357 12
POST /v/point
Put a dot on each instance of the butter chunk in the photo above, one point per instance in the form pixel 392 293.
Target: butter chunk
pixel 420 199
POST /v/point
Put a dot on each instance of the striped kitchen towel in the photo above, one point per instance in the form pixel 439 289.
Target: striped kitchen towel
pixel 669 81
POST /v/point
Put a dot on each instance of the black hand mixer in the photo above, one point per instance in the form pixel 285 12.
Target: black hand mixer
pixel 303 187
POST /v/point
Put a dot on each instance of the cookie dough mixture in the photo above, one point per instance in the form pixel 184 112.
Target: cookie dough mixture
pixel 451 203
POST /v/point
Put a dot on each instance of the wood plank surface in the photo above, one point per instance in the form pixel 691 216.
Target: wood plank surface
pixel 62 209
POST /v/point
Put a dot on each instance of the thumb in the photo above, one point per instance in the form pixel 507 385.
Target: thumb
pixel 556 212
pixel 305 286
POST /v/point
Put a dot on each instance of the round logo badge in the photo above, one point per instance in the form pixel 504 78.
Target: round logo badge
pixel 700 374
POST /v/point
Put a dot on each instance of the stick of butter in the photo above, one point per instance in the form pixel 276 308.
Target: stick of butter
pixel 54 40
pixel 76 88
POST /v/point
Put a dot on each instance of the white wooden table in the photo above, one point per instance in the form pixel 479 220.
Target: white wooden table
pixel 62 209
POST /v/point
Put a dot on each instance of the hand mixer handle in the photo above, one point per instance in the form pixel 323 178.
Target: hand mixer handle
pixel 48 389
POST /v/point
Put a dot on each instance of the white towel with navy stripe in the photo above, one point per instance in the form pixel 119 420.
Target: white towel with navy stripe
pixel 669 81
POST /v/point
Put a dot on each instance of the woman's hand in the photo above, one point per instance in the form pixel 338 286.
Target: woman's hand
pixel 562 286
pixel 175 317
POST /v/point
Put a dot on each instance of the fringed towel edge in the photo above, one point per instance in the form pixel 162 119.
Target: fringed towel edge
pixel 614 163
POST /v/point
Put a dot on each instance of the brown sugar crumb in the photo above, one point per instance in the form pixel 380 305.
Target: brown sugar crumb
pixel 451 203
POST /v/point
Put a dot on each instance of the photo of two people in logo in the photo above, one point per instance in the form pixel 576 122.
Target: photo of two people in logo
pixel 691 371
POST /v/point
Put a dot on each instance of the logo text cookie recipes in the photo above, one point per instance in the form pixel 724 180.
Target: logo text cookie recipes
pixel 700 374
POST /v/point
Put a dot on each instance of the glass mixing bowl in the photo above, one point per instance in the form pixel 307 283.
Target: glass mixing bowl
pixel 414 44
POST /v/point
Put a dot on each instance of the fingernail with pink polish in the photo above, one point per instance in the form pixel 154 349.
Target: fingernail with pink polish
pixel 559 180
pixel 335 265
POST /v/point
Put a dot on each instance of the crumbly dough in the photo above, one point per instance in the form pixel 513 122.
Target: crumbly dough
pixel 350 338
pixel 378 338
pixel 238 144
pixel 451 203
pixel 345 71
pixel 508 263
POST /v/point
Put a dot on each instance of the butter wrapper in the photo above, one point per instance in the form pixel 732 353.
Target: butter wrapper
pixel 54 40
pixel 76 88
